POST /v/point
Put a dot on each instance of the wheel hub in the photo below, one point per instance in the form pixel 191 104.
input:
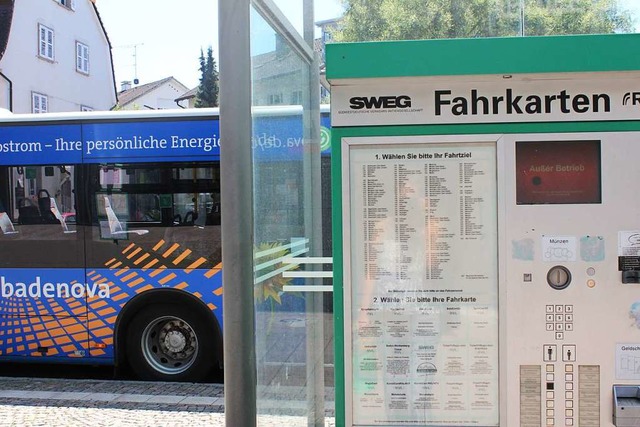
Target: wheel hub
pixel 169 344
pixel 175 341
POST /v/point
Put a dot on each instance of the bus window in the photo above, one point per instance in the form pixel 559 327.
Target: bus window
pixel 43 245
pixel 146 204
pixel 38 224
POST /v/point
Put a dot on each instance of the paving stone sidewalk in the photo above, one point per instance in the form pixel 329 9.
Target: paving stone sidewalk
pixel 63 402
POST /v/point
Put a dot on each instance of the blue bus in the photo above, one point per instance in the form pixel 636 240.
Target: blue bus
pixel 110 248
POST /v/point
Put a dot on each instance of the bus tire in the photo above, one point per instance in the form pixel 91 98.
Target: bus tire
pixel 170 343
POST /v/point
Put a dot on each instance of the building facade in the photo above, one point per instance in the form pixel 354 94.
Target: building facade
pixel 159 95
pixel 54 56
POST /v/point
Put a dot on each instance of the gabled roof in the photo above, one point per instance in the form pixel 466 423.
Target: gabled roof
pixel 6 16
pixel 189 94
pixel 128 96
pixel 106 36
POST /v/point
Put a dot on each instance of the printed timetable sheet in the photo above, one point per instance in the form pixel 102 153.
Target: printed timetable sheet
pixel 423 285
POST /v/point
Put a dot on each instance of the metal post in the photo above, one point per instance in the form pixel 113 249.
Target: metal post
pixel 522 18
pixel 236 172
pixel 313 226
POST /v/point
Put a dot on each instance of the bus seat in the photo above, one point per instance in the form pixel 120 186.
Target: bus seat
pixel 28 213
pixel 213 217
pixel 44 200
pixel 56 213
pixel 6 225
pixel 189 218
pixel 115 226
pixel 44 203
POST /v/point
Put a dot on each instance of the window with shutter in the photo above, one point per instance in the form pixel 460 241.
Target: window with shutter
pixel 70 4
pixel 39 103
pixel 45 35
pixel 82 58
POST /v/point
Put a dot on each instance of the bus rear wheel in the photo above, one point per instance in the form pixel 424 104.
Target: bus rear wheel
pixel 170 343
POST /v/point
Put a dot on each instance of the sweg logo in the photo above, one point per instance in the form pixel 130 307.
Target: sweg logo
pixel 37 289
pixel 369 102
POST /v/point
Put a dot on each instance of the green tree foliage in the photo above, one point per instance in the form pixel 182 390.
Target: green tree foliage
pixel 207 95
pixel 369 20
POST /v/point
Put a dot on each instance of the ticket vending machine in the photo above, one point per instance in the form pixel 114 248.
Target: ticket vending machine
pixel 487 231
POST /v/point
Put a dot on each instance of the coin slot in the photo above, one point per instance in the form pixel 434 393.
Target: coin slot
pixel 559 277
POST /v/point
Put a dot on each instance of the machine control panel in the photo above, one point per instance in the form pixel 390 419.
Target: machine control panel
pixel 575 256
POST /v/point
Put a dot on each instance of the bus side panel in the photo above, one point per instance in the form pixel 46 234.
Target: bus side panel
pixel 44 336
pixel 103 232
pixel 154 226
pixel 124 284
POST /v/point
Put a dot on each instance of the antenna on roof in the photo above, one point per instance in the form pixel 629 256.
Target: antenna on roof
pixel 135 63
pixel 135 60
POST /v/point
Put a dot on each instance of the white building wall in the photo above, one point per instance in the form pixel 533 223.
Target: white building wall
pixel 66 88
pixel 5 95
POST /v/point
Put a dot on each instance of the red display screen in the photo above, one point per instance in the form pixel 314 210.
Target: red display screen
pixel 558 172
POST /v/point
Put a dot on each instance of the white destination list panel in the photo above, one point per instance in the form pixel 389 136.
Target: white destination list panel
pixel 423 287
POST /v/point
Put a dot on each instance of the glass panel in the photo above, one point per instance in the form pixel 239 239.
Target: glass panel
pixel 292 10
pixel 395 20
pixel 294 329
